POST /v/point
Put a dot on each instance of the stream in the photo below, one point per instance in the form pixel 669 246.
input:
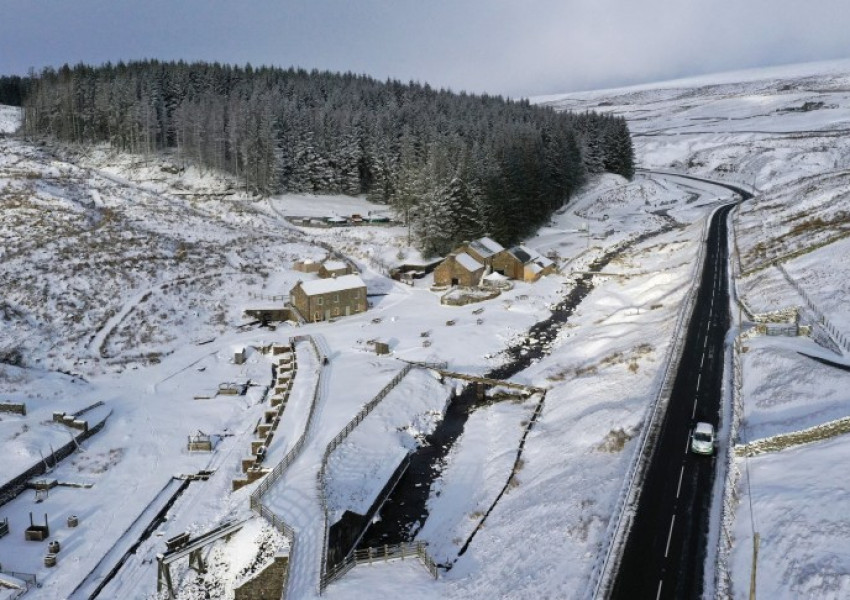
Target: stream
pixel 403 508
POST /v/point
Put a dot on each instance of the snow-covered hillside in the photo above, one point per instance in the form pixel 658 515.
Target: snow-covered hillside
pixel 785 132
pixel 125 280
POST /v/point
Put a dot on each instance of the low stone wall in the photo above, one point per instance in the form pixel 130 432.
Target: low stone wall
pixel 13 407
pixel 464 297
pixel 795 438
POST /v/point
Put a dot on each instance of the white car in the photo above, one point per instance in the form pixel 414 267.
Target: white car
pixel 702 439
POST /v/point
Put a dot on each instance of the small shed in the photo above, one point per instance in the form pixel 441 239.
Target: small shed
pixel 336 220
pixel 239 355
pixel 334 268
pixel 306 266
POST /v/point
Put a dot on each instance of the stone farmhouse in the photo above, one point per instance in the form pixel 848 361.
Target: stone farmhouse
pixel 324 299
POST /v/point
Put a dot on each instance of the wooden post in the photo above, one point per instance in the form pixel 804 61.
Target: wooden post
pixel 163 577
pixel 755 561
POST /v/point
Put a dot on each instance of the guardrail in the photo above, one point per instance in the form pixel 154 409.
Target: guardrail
pixel 276 473
pixel 600 577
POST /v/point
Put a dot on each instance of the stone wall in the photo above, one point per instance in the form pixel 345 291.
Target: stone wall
pixel 13 407
pixel 267 584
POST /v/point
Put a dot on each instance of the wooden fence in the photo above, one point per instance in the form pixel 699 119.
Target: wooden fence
pixel 256 499
pixel 383 553
pixel 330 575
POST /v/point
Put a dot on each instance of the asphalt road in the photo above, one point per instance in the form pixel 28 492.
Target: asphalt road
pixel 666 547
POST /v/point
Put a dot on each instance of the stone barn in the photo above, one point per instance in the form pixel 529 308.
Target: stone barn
pixel 324 299
pixel 483 250
pixel 459 269
pixel 522 263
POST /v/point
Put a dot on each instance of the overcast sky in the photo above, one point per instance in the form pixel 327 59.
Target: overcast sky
pixel 508 47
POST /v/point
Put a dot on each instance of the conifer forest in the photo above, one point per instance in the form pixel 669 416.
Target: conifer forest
pixel 456 165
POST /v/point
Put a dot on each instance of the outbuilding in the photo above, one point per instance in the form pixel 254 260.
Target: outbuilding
pixel 459 269
pixel 334 268
pixel 522 263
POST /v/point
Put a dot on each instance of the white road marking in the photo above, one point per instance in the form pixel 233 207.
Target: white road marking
pixel 669 536
pixel 699 379
pixel 694 412
pixel 679 488
pixel 658 595
pixel 687 443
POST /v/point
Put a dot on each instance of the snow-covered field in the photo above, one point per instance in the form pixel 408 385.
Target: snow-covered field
pixel 125 280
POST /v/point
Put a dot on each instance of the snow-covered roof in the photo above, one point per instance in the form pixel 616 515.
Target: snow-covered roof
pixel 528 255
pixel 334 265
pixel 534 268
pixel 467 262
pixel 544 261
pixel 337 284
pixel 522 254
pixel 486 247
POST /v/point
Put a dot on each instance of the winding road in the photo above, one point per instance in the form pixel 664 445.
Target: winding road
pixel 665 553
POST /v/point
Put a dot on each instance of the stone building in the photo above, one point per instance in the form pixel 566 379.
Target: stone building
pixel 324 299
pixel 522 263
pixel 307 266
pixel 334 268
pixel 460 269
pixel 483 250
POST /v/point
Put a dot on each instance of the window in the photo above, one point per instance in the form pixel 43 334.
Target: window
pixel 336 298
pixel 319 301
